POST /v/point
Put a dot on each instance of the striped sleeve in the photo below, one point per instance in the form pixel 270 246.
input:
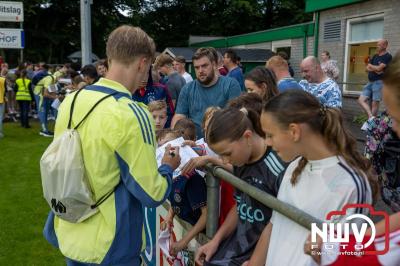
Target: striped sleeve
pixel 136 158
pixel 277 167
pixel 362 193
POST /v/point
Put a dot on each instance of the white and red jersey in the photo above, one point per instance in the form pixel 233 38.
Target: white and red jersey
pixel 341 255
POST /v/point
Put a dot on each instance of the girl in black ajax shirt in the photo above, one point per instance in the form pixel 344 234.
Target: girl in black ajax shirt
pixel 236 135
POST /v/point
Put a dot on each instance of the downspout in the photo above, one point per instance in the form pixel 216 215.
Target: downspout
pixel 305 30
pixel 316 33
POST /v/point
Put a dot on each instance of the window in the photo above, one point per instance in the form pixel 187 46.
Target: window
pixel 370 30
pixel 282 46
pixel 361 38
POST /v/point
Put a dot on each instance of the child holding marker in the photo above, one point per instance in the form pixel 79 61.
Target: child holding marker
pixel 188 197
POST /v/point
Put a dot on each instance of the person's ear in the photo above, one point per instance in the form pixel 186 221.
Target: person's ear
pixel 247 134
pixel 264 86
pixel 295 132
pixel 143 64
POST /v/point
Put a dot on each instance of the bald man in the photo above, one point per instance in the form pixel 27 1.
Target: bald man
pixel 318 84
pixel 371 93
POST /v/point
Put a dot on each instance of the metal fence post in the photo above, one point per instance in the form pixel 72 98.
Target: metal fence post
pixel 293 213
pixel 212 204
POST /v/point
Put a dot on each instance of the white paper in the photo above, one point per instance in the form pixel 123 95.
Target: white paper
pixel 64 81
pixel 209 152
pixel 52 88
pixel 56 103
pixel 186 153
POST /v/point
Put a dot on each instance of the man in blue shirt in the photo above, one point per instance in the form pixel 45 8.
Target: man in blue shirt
pixel 373 90
pixel 318 84
pixel 280 67
pixel 231 63
pixel 209 89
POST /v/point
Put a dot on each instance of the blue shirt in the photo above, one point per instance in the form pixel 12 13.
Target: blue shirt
pixel 376 61
pixel 288 83
pixel 156 92
pixel 327 92
pixel 237 74
pixel 195 99
pixel 188 196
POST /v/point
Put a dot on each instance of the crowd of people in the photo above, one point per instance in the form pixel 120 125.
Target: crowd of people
pixel 284 137
pixel 36 90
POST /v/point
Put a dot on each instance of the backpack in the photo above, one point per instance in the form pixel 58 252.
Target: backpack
pixel 65 185
pixel 390 179
pixel 37 78
pixel 383 149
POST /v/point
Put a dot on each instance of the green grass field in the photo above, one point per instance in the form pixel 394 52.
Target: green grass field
pixel 23 211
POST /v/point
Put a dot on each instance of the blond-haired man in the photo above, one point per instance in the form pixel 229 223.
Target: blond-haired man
pixel 118 144
pixel 280 67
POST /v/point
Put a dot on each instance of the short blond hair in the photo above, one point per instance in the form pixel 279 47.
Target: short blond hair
pixel 157 105
pixel 277 62
pixel 126 43
pixel 162 60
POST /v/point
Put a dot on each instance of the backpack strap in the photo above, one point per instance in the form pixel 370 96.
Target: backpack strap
pixel 108 194
pixel 91 109
pixel 71 110
pixel 105 197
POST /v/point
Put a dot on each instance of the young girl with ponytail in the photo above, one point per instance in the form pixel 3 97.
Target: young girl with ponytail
pixel 326 172
pixel 236 136
pixel 391 97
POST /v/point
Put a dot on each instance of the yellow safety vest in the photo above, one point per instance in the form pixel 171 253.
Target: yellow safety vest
pixel 23 90
pixel 2 89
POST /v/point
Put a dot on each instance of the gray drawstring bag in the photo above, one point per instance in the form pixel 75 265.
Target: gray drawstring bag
pixel 65 185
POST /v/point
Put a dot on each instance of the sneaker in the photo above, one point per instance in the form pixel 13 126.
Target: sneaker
pixel 367 124
pixel 364 126
pixel 46 133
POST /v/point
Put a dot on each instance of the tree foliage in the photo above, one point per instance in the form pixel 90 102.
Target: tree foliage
pixel 52 27
pixel 171 22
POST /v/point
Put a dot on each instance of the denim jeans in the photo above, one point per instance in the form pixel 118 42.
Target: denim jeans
pixel 43 107
pixel 2 105
pixel 24 109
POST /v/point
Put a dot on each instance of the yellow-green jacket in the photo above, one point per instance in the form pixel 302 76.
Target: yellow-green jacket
pixel 118 143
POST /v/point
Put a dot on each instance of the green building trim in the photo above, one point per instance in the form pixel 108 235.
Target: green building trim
pixel 317 5
pixel 284 33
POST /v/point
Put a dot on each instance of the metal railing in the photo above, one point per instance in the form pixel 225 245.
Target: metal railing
pixel 214 173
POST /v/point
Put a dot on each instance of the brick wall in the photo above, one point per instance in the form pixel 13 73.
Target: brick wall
pixel 389 8
pixel 296 56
